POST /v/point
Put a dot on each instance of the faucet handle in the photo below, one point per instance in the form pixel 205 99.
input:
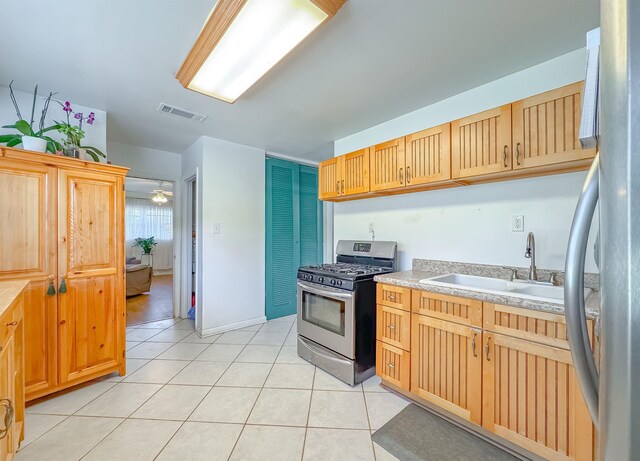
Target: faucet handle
pixel 514 273
pixel 553 278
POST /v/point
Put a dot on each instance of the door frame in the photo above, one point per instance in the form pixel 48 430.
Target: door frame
pixel 187 256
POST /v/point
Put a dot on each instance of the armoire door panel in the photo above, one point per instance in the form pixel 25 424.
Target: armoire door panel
pixel 88 227
pixel 90 262
pixel 27 206
pixel 87 325
pixel 481 143
pixel 40 311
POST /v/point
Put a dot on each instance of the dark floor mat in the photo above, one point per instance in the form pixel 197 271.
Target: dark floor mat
pixel 417 434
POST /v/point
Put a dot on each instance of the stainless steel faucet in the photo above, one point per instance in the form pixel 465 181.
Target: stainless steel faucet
pixel 531 253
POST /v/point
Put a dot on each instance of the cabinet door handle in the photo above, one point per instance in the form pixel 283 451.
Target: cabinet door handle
pixel 337 187
pixel 504 156
pixel 8 417
pixel 486 350
pixel 62 289
pixel 473 345
pixel 12 324
pixel 391 365
pixel 401 175
pixel 391 327
pixel 343 187
pixel 518 153
pixel 408 174
pixel 391 298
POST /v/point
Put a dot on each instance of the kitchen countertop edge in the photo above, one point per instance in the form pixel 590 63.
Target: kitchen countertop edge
pixel 411 279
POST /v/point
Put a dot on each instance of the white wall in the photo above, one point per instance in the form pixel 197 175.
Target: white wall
pixel 233 182
pixel 473 223
pixel 231 194
pixel 96 134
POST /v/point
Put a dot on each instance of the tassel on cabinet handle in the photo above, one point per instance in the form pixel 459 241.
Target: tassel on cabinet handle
pixel 52 289
pixel 63 287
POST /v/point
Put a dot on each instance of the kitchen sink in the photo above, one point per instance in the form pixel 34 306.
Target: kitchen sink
pixel 519 288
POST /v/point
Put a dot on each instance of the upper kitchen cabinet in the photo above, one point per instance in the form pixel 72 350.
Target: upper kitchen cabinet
pixel 428 156
pixel 481 143
pixel 329 176
pixel 387 165
pixel 545 128
pixel 344 176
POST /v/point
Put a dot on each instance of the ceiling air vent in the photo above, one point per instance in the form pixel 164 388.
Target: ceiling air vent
pixel 173 110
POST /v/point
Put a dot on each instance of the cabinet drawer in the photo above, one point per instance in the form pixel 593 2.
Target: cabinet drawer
pixel 532 325
pixel 450 308
pixel 392 364
pixel 394 296
pixel 394 326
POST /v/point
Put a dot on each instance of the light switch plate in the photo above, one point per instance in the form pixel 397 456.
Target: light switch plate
pixel 215 228
pixel 517 223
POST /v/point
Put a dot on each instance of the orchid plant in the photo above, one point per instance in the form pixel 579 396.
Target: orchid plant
pixel 74 133
pixel 26 128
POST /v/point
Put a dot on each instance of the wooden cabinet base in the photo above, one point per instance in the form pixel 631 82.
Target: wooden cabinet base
pixel 89 376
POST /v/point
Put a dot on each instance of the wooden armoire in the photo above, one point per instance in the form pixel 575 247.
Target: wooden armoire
pixel 63 231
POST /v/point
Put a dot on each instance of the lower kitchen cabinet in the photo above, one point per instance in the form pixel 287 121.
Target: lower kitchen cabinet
pixel 393 364
pixel 507 369
pixel 446 365
pixel 531 397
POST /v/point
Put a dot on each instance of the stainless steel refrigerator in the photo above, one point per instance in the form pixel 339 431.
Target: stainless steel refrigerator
pixel 612 393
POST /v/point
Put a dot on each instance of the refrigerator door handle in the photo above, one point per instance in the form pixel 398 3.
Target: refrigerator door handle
pixel 581 352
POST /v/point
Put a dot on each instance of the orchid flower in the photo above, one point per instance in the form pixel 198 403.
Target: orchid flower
pixel 67 107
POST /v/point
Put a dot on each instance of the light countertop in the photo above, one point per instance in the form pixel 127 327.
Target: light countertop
pixel 9 291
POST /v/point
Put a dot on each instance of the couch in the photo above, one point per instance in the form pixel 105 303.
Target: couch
pixel 138 277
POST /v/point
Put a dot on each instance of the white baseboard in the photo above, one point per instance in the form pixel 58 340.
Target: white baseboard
pixel 232 326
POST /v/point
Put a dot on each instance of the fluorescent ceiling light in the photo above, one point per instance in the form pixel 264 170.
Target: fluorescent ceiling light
pixel 243 39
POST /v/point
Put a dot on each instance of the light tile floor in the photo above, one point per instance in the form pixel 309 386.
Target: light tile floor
pixel 240 395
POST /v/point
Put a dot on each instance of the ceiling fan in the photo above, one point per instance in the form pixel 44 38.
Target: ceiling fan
pixel 160 195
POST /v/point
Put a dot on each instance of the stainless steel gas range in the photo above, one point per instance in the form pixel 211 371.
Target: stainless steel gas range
pixel 337 309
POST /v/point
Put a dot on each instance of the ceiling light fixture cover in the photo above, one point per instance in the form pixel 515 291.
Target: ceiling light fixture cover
pixel 243 39
pixel 160 198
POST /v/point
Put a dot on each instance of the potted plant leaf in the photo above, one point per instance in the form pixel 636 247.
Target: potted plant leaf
pixel 74 134
pixel 31 139
pixel 146 244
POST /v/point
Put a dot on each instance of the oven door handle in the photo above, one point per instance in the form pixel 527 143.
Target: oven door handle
pixel 319 291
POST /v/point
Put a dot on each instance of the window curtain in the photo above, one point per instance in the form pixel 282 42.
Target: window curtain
pixel 144 218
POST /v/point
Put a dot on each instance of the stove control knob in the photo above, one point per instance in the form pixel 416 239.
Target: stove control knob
pixel 320 279
pixel 339 283
pixel 333 282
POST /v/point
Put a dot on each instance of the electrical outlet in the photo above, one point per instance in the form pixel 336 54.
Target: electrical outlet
pixel 517 223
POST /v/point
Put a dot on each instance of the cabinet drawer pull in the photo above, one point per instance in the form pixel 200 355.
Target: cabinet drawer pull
pixel 391 297
pixel 486 350
pixel 391 327
pixel 518 153
pixel 12 324
pixel 473 345
pixel 8 417
pixel 391 365
pixel 504 156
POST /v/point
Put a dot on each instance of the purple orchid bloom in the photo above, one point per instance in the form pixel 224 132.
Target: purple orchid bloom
pixel 78 116
pixel 91 118
pixel 67 107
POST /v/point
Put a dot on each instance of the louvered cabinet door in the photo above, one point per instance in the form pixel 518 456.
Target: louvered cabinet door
pixel 532 398
pixel 545 128
pixel 355 172
pixel 446 365
pixel 428 155
pixel 481 143
pixel 329 178
pixel 387 165
pixel 91 263
pixel 29 251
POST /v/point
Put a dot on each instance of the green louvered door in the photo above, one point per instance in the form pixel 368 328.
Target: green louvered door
pixel 293 231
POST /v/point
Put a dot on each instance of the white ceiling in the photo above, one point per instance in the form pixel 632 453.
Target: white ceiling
pixel 146 186
pixel 375 60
